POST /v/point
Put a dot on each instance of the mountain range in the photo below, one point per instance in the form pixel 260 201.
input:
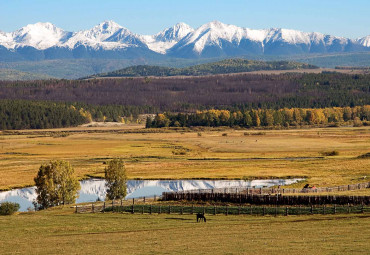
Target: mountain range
pixel 109 40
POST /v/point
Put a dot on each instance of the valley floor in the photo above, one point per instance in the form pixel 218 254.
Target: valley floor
pixel 209 153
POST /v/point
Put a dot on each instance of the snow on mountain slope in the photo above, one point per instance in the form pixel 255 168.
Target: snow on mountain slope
pixel 6 40
pixel 365 41
pixel 232 40
pixel 214 39
pixel 211 34
pixel 167 38
pixel 40 36
pixel 107 35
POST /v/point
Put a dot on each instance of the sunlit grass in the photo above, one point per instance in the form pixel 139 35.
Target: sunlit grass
pixel 61 231
pixel 272 154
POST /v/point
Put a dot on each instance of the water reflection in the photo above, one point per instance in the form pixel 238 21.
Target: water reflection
pixel 94 189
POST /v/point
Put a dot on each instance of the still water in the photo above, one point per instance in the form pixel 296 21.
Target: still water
pixel 94 189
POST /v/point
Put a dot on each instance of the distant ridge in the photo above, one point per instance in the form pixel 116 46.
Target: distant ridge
pixel 45 41
pixel 220 67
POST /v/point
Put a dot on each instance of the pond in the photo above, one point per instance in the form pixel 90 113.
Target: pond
pixel 94 189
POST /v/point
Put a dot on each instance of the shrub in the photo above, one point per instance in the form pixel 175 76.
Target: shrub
pixel 224 134
pixel 199 134
pixel 366 155
pixel 330 153
pixel 8 208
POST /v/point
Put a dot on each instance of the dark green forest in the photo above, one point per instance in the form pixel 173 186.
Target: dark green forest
pixel 22 114
pixel 221 67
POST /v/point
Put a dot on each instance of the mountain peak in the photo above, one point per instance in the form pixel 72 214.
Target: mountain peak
pixel 108 25
pixel 174 33
pixel 40 35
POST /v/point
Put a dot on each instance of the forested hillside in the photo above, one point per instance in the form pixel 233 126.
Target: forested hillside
pixel 205 92
pixel 221 67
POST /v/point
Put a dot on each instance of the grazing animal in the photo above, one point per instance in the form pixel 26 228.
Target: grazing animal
pixel 200 217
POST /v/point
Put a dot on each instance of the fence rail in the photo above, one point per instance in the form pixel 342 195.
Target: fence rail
pixel 277 190
pixel 223 210
pixel 266 199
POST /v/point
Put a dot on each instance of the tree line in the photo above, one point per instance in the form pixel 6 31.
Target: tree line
pixel 220 67
pixel 263 117
pixel 29 114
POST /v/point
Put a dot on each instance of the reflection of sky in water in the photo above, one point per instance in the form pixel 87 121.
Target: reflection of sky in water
pixel 94 189
pixel 147 192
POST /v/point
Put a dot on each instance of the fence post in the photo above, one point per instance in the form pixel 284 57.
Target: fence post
pixel 227 210
pixel 323 209
pixel 76 209
pixel 349 210
pixel 263 211
pixel 238 210
pixel 311 211
pixel 160 209
pixel 155 197
pixel 214 210
pixel 192 209
pixel 182 210
pixel 92 208
pixel 121 201
pixel 104 207
pixel 275 210
pixel 204 210
pixel 286 211
pixel 251 209
pixel 142 210
pixel 150 210
pixel 362 208
pixel 112 205
pixel 133 209
pixel 133 201
pixel 335 209
pixel 144 199
pixel 169 209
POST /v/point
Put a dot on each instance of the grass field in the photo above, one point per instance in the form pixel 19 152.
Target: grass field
pixel 174 155
pixel 60 231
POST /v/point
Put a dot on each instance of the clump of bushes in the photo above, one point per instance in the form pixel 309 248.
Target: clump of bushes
pixel 199 134
pixel 8 208
pixel 224 134
pixel 330 153
pixel 254 133
pixel 366 155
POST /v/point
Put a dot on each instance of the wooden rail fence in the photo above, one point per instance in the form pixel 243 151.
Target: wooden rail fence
pixel 266 199
pixel 219 210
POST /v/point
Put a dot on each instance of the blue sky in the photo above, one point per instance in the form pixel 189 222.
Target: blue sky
pixel 336 17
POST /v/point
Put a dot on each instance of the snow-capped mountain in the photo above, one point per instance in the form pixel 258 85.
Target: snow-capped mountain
pixel 167 38
pixel 107 35
pixel 218 39
pixel 214 39
pixel 365 41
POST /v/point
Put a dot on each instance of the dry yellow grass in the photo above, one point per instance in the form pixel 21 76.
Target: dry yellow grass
pixel 274 154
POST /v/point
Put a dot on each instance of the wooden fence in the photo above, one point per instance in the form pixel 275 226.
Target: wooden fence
pixel 277 190
pixel 265 199
pixel 219 210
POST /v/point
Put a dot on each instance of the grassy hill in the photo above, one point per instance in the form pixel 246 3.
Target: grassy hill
pixel 11 74
pixel 220 67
